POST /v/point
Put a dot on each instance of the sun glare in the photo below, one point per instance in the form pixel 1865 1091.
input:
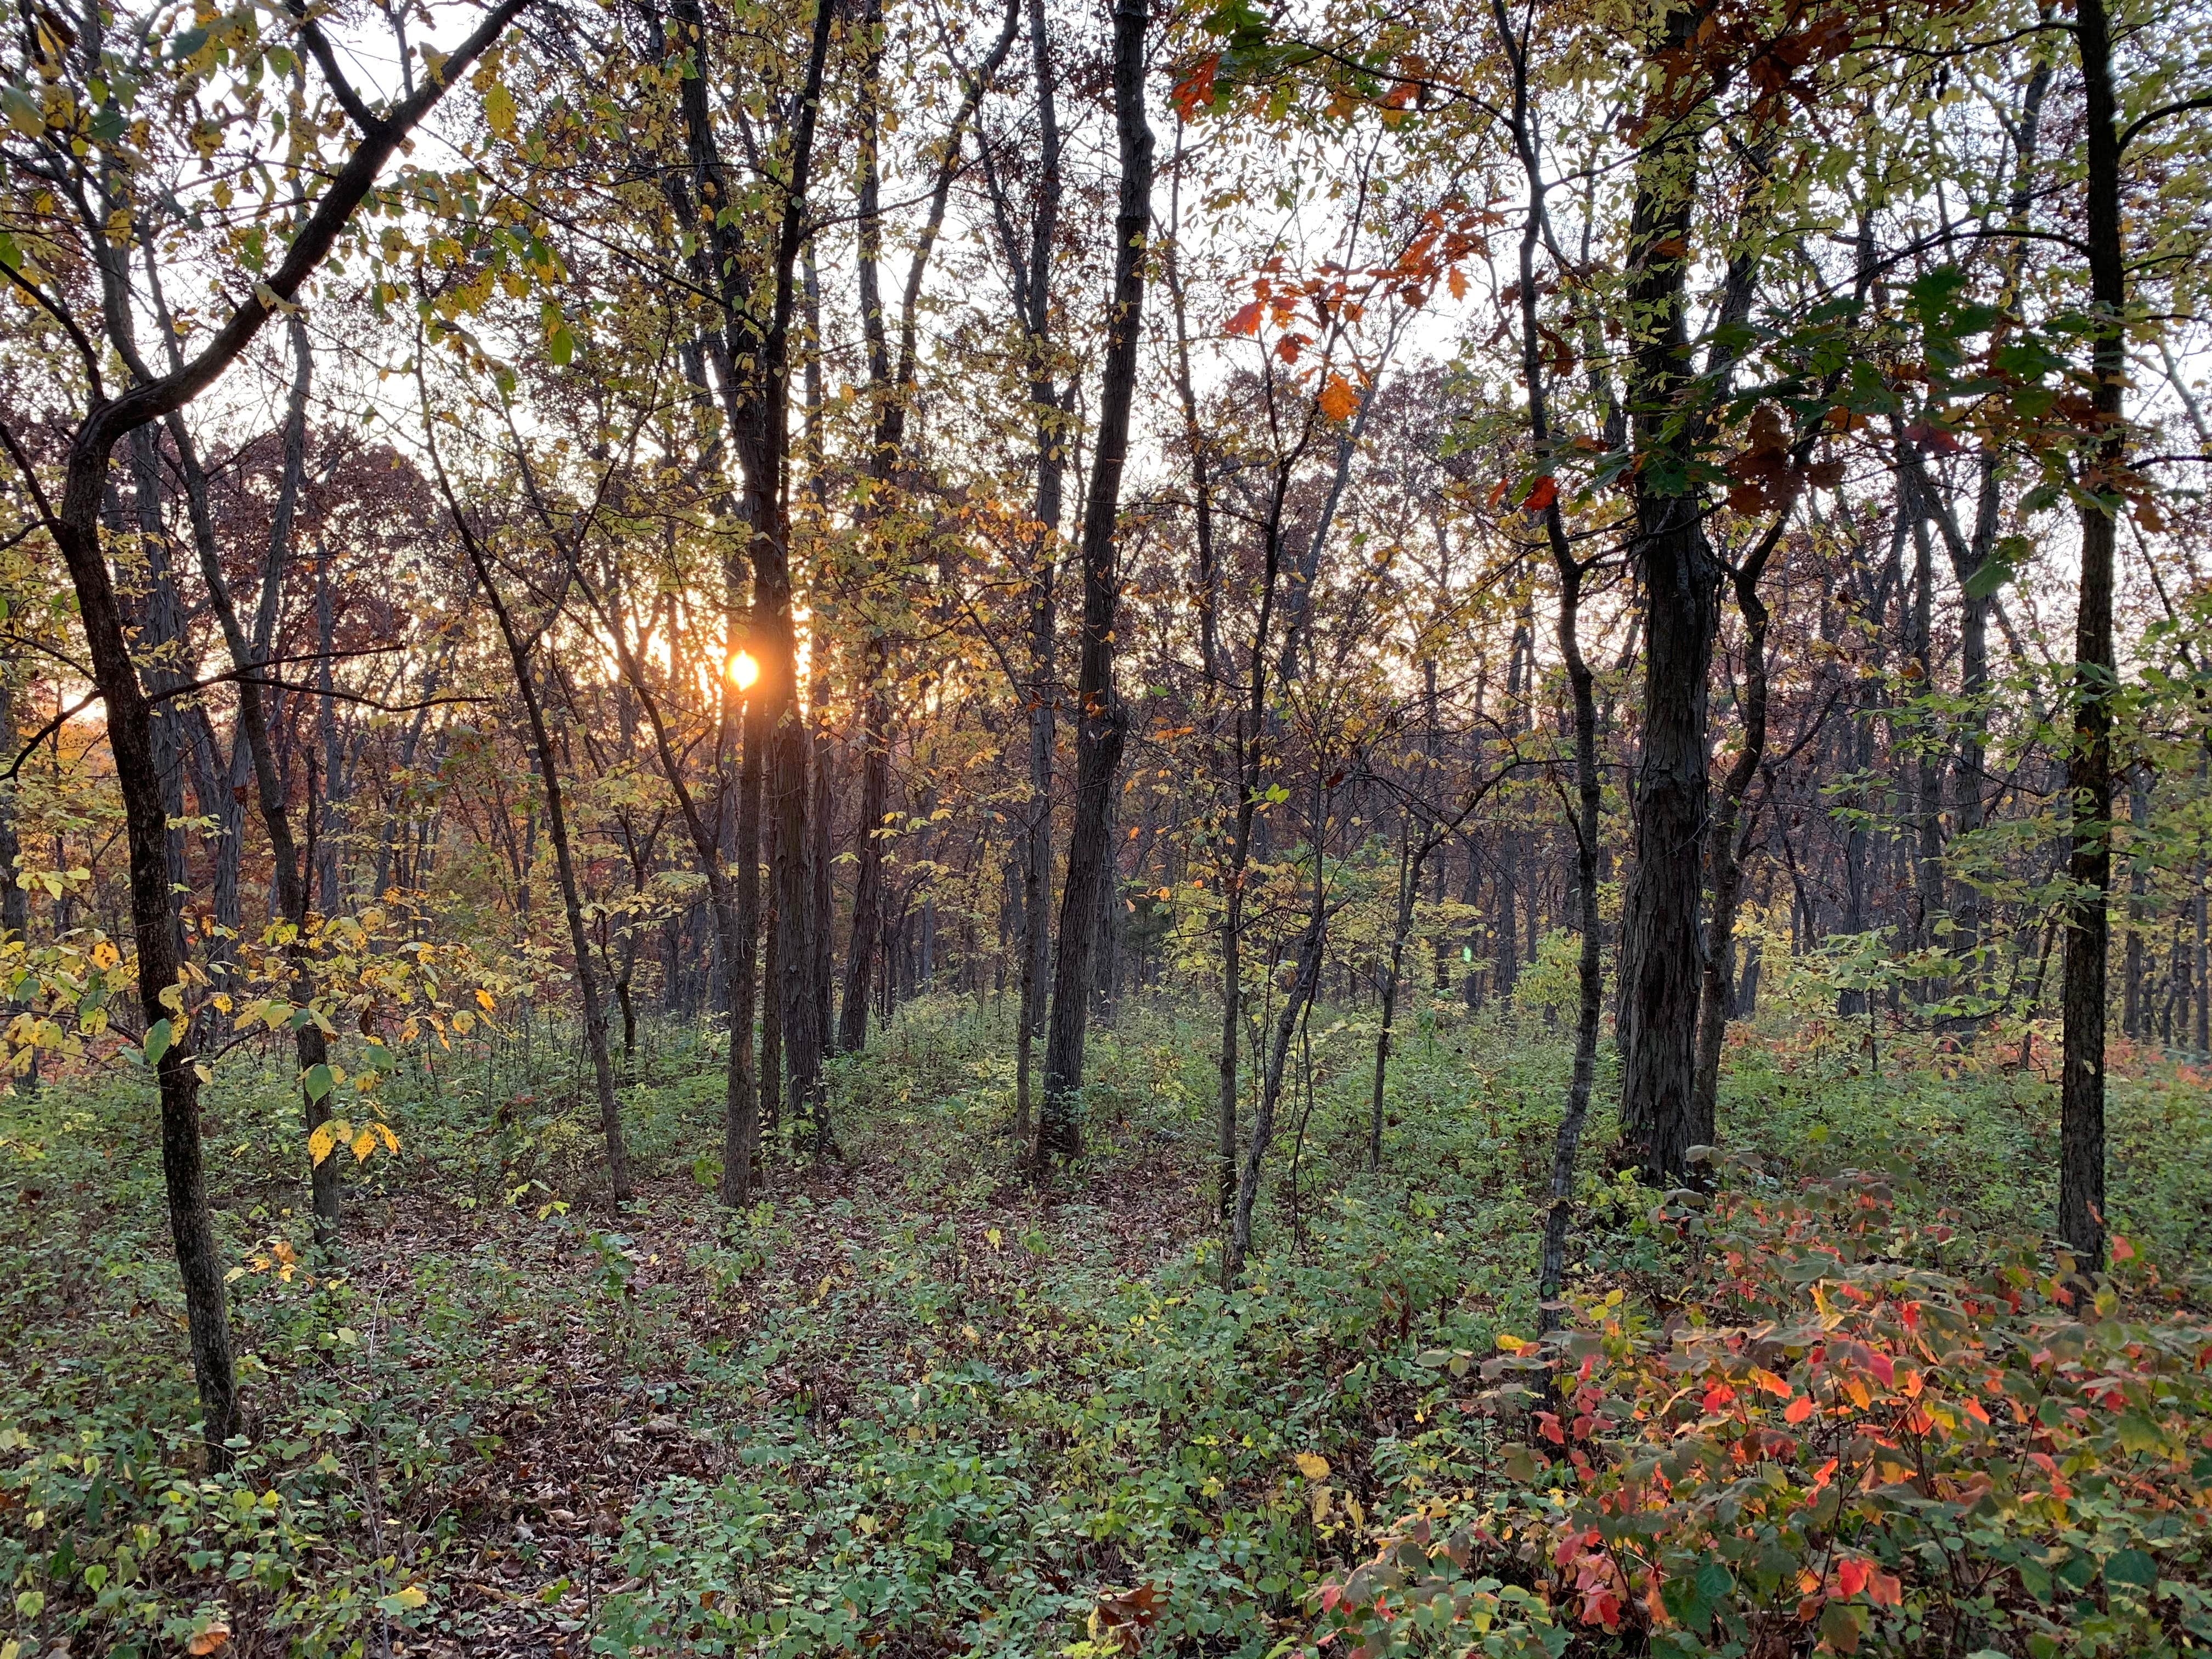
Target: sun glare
pixel 744 671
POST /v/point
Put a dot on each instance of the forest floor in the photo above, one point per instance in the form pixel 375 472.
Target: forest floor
pixel 909 1403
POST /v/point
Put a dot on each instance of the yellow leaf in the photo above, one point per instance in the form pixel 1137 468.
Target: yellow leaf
pixel 105 956
pixel 993 1237
pixel 383 1133
pixel 1319 1504
pixel 413 1596
pixel 364 1144
pixel 1312 1465
pixel 320 1143
pixel 499 109
pixel 485 1001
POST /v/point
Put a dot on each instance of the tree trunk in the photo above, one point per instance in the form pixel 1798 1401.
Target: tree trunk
pixel 1660 947
pixel 1101 721
pixel 1312 944
pixel 154 924
pixel 868 889
pixel 556 826
pixel 2089 761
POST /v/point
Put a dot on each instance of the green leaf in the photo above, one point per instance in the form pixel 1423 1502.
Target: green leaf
pixel 319 1082
pixel 157 1041
pixel 22 112
pixel 560 344
pixel 2134 1568
pixel 1993 574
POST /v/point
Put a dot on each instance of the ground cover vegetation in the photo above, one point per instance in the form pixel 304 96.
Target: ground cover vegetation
pixel 1333 829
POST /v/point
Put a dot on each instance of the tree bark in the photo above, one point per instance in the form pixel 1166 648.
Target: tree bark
pixel 1660 943
pixel 1102 720
pixel 2089 761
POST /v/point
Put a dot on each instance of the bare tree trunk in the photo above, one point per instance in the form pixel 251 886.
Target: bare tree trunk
pixel 1102 720
pixel 519 651
pixel 289 878
pixel 2089 761
pixel 1661 946
pixel 2132 1018
pixel 1312 943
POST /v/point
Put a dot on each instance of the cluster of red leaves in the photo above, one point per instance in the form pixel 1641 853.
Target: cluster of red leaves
pixel 1838 1437
pixel 1306 309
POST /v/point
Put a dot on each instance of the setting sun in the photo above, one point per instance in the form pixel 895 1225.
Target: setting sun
pixel 744 671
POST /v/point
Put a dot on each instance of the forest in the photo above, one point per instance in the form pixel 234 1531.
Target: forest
pixel 1323 828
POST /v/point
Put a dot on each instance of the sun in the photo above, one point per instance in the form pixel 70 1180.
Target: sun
pixel 743 670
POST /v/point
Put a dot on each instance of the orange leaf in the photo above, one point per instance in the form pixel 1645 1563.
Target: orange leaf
pixel 2122 1250
pixel 1851 1575
pixel 1768 1381
pixel 1195 90
pixel 1799 1409
pixel 1497 491
pixel 1546 492
pixel 1884 1591
pixel 1338 400
pixel 1247 320
pixel 208 1640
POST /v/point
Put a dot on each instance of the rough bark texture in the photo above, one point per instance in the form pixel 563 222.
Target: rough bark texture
pixel 2089 763
pixel 1660 949
pixel 1101 720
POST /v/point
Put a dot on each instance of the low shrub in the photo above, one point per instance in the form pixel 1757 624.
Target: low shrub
pixel 1844 1438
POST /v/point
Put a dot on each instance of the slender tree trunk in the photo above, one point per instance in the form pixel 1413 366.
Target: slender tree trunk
pixel 1036 834
pixel 289 899
pixel 1728 841
pixel 1101 721
pixel 76 529
pixel 2089 761
pixel 2133 1022
pixel 868 890
pixel 519 651
pixel 1409 885
pixel 1312 943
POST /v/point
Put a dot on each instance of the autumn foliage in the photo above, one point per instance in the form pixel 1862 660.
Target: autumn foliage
pixel 1844 1438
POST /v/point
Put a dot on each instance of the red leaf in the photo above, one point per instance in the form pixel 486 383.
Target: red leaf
pixel 1884 1591
pixel 1546 492
pixel 1799 1409
pixel 1928 435
pixel 1497 491
pixel 1852 1575
pixel 2122 1250
pixel 1195 90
